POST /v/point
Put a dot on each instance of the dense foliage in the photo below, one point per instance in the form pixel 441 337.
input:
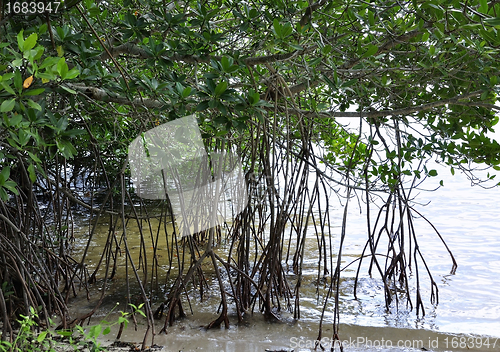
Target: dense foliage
pixel 273 79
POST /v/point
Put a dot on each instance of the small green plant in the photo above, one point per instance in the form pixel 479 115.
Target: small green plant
pixel 88 337
pixel 27 340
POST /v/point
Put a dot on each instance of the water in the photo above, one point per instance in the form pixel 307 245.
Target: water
pixel 468 219
pixel 469 303
pixel 466 318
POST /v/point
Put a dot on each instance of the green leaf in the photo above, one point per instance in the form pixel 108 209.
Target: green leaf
pixel 74 132
pixel 432 173
pixel 494 21
pixel 3 195
pixel 141 312
pixel 62 123
pixel 69 90
pixel 221 88
pixel 315 61
pixel 34 105
pixel 41 336
pixel 277 27
pixel 253 97
pixel 49 61
pixel 15 120
pixel 23 137
pixel 8 88
pixel 186 92
pixel 483 6
pixel 372 50
pixel 66 148
pixel 286 30
pixel 73 73
pixel 46 76
pixel 34 157
pixel 300 47
pixel 179 87
pixel 30 42
pixel 65 333
pixel 62 67
pixel 36 91
pixel 4 175
pixel 18 81
pixel 487 35
pixel 11 186
pixel 371 18
pixel 432 50
pixel 7 76
pixel 202 105
pixel 95 331
pixel 349 83
pixel 226 63
pixel 123 320
pixel 20 40
pixel 39 52
pixel 8 105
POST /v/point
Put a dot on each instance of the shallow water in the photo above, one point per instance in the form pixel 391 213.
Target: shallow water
pixel 466 318
pixel 468 219
pixel 259 335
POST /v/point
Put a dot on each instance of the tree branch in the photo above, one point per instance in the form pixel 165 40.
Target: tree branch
pixel 385 47
pixel 102 95
pixel 395 112
pixel 133 49
pixel 423 107
pixel 306 18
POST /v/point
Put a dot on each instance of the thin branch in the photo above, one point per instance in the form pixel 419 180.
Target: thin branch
pixel 102 44
pixel 133 49
pixel 423 107
pixel 306 18
pixel 404 111
pixel 385 47
pixel 101 95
